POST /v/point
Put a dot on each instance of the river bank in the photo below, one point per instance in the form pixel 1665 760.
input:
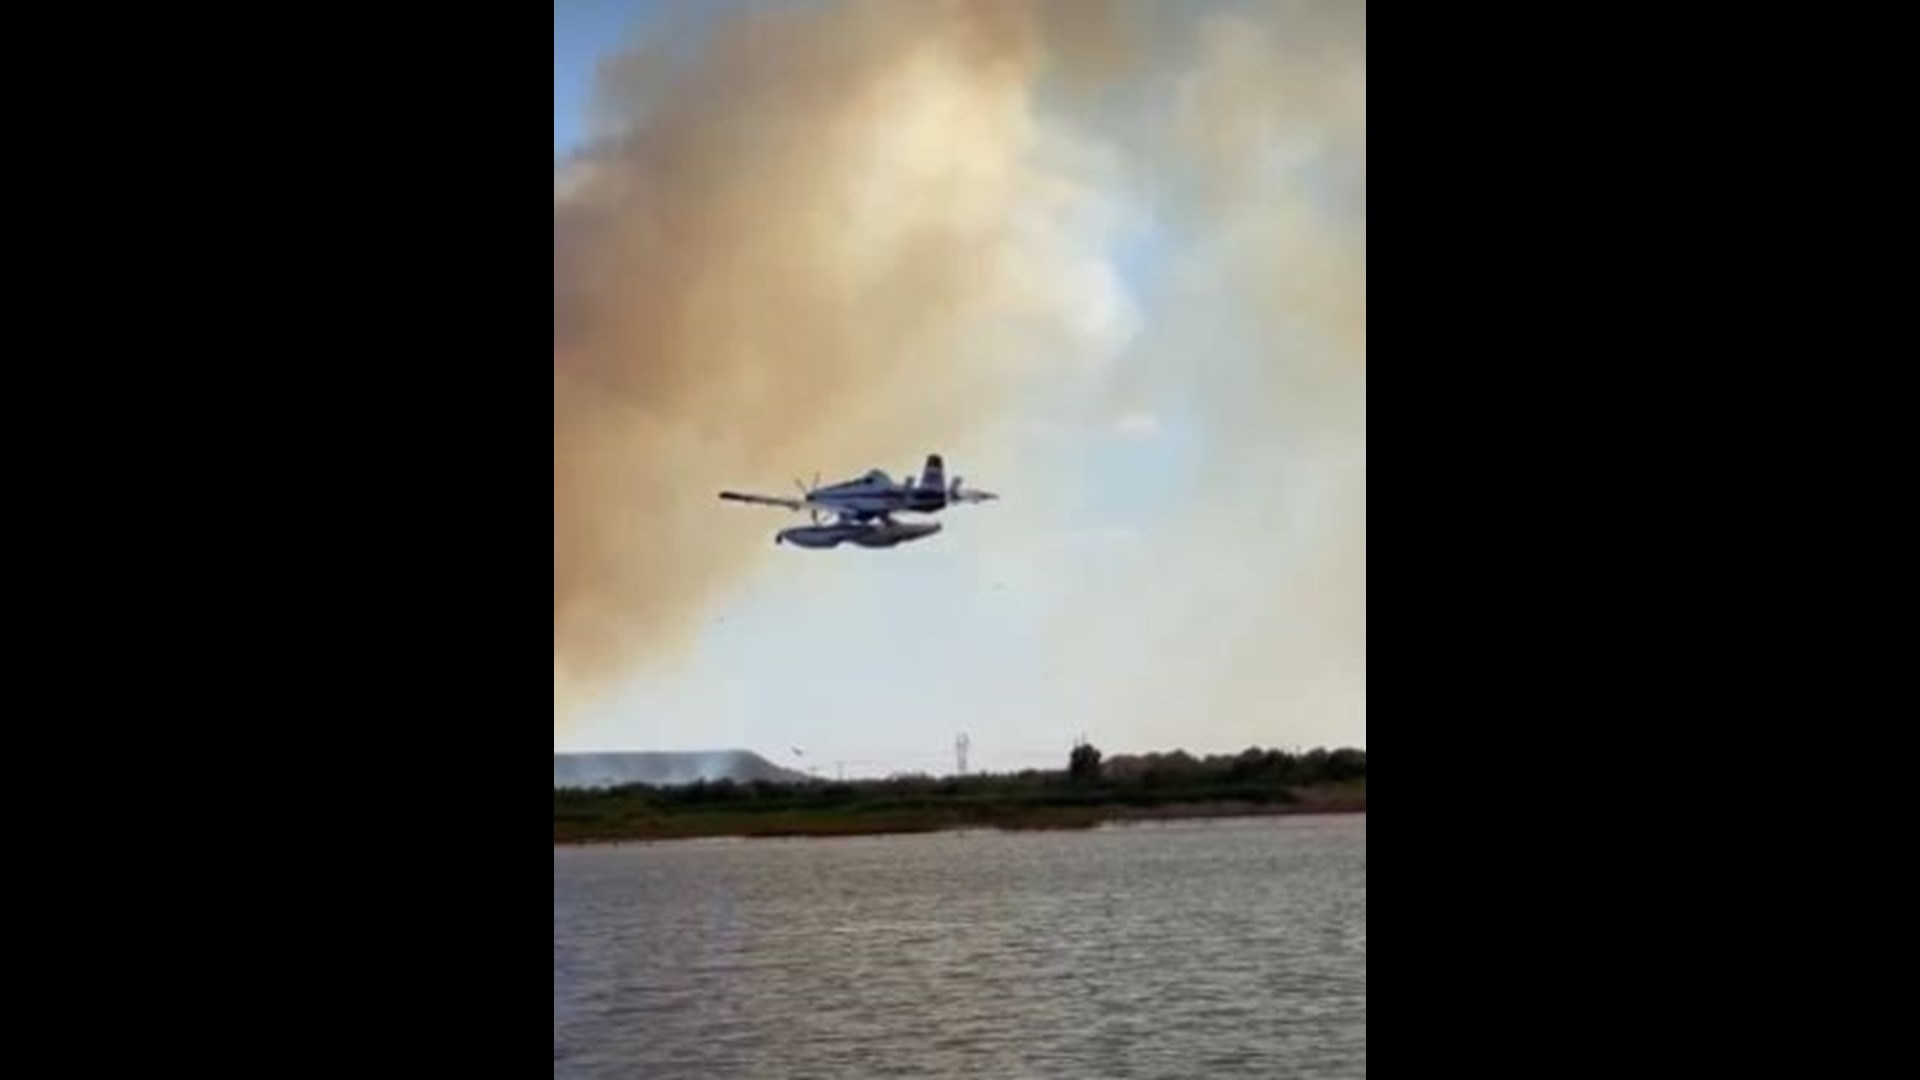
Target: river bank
pixel 614 818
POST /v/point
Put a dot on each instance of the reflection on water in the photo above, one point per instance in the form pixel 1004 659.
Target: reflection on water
pixel 1188 949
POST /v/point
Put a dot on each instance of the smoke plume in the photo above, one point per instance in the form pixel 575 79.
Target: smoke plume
pixel 825 232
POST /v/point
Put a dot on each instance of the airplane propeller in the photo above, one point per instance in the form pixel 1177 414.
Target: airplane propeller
pixel 807 493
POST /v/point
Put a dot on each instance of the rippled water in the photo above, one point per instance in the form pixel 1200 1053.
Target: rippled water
pixel 1189 949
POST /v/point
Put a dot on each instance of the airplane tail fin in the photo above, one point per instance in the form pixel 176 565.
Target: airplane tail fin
pixel 934 476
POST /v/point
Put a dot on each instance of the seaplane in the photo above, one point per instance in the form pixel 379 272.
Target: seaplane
pixel 862 509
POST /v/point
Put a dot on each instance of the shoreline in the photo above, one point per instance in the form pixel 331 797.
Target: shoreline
pixel 743 826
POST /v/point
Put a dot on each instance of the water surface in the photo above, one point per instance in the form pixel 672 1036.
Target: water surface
pixel 1186 949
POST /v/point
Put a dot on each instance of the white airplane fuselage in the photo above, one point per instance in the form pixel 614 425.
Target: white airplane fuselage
pixel 876 495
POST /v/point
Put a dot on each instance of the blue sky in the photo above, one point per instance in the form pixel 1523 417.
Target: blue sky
pixel 1168 568
pixel 583 32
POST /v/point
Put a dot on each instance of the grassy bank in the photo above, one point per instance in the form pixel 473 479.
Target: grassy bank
pixel 1157 787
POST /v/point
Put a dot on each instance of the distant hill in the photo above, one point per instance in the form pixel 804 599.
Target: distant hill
pixel 664 769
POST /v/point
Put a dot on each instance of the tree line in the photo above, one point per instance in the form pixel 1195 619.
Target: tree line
pixel 1089 776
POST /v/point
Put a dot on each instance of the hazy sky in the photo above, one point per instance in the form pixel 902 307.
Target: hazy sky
pixel 1107 258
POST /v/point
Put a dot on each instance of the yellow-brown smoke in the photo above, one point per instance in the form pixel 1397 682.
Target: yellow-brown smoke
pixel 834 234
pixel 768 262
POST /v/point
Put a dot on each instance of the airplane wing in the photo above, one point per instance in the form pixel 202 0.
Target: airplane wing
pixel 763 500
